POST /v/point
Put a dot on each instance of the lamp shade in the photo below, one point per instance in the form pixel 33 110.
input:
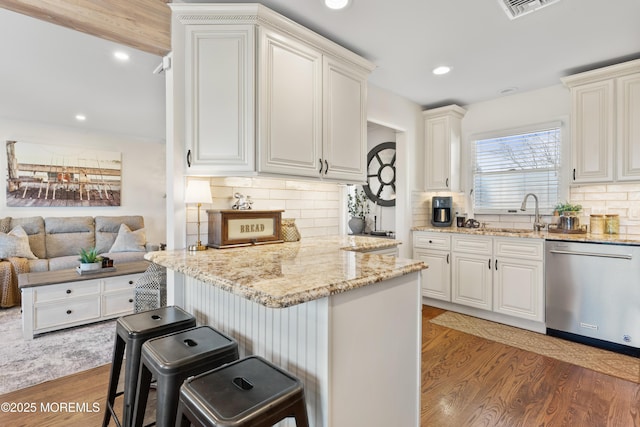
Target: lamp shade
pixel 198 192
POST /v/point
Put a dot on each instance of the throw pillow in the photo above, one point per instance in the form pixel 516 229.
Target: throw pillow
pixel 5 223
pixel 129 241
pixel 15 244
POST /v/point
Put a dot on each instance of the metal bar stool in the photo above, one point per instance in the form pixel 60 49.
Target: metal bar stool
pixel 248 392
pixel 173 358
pixel 131 332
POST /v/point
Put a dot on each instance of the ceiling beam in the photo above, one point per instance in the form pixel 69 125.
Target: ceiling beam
pixel 141 24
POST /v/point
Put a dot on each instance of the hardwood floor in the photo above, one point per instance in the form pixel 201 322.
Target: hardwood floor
pixel 466 381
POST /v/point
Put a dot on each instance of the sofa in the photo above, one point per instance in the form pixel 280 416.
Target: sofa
pixel 54 243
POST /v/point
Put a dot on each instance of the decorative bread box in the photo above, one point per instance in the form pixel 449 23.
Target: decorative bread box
pixel 230 228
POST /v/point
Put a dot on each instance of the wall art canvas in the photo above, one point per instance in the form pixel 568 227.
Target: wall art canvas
pixel 40 175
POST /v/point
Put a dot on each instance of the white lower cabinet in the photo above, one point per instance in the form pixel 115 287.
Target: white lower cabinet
pixel 497 276
pixel 434 250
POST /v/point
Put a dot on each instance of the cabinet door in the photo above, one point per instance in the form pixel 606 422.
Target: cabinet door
pixel 519 288
pixel 471 280
pixel 436 280
pixel 219 98
pixel 593 131
pixel 344 122
pixel 290 106
pixel 628 138
pixel 438 154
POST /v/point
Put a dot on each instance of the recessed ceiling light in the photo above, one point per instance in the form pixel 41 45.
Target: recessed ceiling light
pixel 438 71
pixel 336 4
pixel 81 117
pixel 121 56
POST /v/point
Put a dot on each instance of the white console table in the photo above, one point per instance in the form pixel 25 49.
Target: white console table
pixel 61 299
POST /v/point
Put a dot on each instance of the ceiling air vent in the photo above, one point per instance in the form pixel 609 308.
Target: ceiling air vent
pixel 517 8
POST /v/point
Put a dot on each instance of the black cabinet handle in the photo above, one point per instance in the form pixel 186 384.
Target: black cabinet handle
pixel 68 291
pixel 447 258
pixel 188 158
pixel 68 311
pixel 574 174
pixel 446 183
pixel 489 263
pixel 320 171
pixel 326 167
pixel 496 265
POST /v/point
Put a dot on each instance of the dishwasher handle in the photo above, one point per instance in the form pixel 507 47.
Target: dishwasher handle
pixel 595 254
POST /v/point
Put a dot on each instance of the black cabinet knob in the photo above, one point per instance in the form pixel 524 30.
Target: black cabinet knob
pixel 131 282
pixel 68 291
pixel 130 299
pixel 68 311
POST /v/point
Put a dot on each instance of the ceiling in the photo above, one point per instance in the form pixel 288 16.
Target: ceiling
pixel 50 73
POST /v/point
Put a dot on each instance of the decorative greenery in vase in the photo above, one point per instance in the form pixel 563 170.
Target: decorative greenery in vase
pixel 560 208
pixel 89 256
pixel 358 204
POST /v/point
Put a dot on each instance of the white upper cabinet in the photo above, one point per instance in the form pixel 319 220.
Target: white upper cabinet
pixel 605 105
pixel 290 94
pixel 628 108
pixel 264 95
pixel 442 148
pixel 219 98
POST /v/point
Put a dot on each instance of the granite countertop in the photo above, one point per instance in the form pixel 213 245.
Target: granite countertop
pixel 621 239
pixel 285 274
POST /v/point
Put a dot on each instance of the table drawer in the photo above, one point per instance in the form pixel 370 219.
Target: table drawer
pixel 117 303
pixel 117 283
pixel 437 241
pixel 64 291
pixel 69 312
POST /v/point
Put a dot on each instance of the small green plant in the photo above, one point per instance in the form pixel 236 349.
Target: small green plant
pixel 89 256
pixel 357 204
pixel 567 207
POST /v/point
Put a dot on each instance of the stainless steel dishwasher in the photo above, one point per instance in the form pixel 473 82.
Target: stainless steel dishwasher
pixel 593 294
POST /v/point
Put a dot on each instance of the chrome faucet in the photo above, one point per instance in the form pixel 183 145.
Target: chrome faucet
pixel 537 221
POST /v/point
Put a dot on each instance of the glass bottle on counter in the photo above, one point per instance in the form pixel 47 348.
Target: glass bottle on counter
pixel 596 223
pixel 612 224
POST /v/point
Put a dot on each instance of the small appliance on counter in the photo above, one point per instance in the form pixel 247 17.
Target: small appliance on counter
pixel 441 211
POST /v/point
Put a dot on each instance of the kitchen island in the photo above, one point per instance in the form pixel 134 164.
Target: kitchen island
pixel 331 311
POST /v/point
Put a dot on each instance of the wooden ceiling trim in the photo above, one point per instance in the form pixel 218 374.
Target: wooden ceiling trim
pixel 141 24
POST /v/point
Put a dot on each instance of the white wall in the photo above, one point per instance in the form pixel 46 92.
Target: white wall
pixel 393 111
pixel 143 173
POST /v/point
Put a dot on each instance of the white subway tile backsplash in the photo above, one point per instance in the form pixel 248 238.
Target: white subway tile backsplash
pixel 314 205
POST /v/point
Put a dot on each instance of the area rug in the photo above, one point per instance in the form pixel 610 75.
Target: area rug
pixel 606 362
pixel 24 363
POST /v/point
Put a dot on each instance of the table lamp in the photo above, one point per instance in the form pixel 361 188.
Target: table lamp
pixel 198 192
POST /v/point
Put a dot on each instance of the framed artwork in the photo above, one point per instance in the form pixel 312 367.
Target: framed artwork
pixel 41 175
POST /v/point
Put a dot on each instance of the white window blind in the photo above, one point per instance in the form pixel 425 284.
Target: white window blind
pixel 508 167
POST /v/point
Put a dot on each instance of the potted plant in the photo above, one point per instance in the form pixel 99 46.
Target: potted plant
pixel 89 259
pixel 567 209
pixel 358 209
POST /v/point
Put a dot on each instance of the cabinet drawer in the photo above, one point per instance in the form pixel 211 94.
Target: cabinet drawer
pixel 78 310
pixel 117 283
pixel 117 303
pixel 66 290
pixel 472 244
pixel 439 241
pixel 519 248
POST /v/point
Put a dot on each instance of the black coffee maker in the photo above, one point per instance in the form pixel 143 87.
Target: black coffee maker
pixel 441 211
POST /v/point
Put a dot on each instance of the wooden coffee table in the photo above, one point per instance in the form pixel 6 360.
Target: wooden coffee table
pixel 61 299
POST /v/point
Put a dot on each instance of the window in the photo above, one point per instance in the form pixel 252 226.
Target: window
pixel 509 166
